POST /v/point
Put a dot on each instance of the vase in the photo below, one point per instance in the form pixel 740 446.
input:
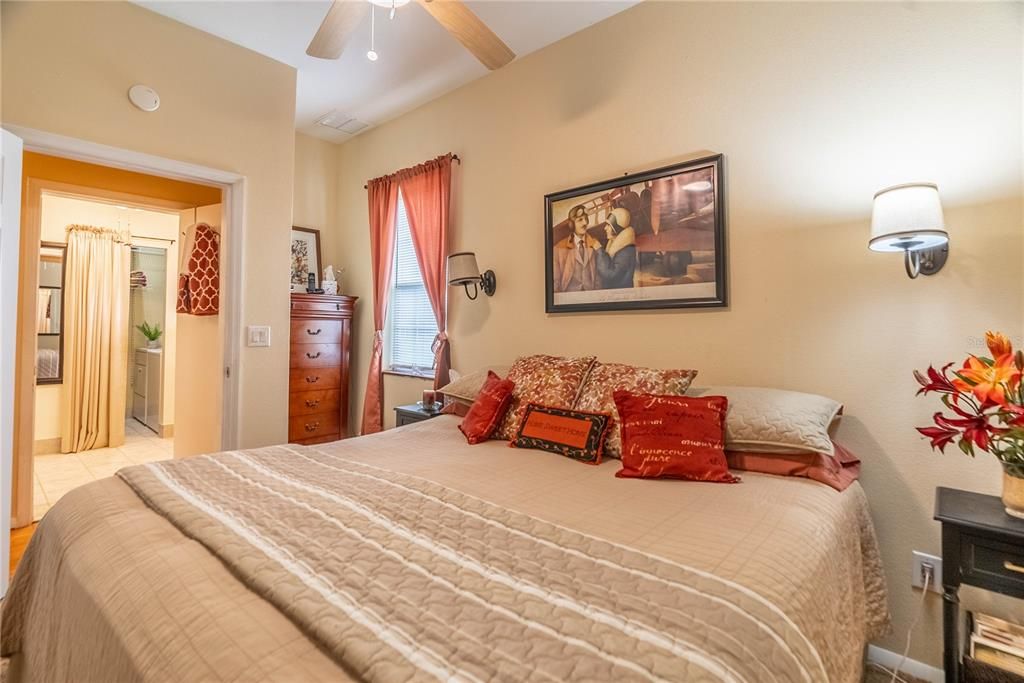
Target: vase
pixel 1013 489
pixel 153 344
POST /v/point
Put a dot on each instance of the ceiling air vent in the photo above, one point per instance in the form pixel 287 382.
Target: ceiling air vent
pixel 343 122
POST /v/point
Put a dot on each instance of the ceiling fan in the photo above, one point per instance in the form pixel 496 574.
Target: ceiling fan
pixel 344 15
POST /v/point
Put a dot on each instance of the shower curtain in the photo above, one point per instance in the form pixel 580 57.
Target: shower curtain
pixel 95 338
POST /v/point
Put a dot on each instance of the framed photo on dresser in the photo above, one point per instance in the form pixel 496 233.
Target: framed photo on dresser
pixel 643 241
pixel 305 257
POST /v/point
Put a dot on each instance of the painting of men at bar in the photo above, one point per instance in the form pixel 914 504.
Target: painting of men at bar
pixel 651 240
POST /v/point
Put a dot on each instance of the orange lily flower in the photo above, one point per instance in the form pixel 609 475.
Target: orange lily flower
pixel 998 344
pixel 988 383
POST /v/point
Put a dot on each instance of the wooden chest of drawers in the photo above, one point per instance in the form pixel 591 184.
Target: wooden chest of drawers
pixel 321 330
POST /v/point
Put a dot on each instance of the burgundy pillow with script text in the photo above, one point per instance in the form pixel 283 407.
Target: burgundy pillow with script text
pixel 673 437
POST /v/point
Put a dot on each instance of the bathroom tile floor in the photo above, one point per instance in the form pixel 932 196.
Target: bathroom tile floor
pixel 58 473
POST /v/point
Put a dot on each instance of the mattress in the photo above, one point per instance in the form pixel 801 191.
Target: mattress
pixel 783 571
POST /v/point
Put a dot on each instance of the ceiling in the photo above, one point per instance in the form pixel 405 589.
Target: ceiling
pixel 418 62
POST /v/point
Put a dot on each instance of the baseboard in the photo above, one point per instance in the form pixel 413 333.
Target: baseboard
pixel 167 431
pixel 46 446
pixel 890 660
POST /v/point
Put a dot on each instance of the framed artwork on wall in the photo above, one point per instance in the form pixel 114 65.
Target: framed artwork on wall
pixel 643 241
pixel 305 257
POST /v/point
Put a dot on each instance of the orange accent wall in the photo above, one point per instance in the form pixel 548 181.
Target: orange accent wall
pixel 74 172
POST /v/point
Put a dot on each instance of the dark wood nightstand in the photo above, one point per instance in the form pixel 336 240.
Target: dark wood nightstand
pixel 406 415
pixel 982 546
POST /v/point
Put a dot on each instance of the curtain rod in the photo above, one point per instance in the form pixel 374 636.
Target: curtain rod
pixel 455 158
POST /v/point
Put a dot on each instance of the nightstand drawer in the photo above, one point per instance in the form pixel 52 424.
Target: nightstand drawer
pixel 994 562
pixel 312 426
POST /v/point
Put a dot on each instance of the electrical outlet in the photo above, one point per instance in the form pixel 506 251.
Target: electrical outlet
pixel 918 571
pixel 259 335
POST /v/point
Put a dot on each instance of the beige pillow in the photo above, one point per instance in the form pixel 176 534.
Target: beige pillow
pixel 775 420
pixel 466 387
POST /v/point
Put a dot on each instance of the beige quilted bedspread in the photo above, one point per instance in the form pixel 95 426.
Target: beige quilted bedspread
pixel 411 556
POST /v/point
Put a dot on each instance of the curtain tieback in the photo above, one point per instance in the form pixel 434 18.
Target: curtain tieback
pixel 439 341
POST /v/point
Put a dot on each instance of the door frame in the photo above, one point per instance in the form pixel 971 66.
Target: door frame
pixel 232 186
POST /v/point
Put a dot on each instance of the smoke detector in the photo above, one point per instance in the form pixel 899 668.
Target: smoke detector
pixel 144 97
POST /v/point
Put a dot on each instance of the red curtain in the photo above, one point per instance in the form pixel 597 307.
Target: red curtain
pixel 426 191
pixel 383 200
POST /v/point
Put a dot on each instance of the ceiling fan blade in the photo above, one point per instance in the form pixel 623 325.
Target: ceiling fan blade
pixel 467 28
pixel 336 28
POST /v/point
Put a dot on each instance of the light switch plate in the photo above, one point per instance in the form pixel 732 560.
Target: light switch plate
pixel 258 335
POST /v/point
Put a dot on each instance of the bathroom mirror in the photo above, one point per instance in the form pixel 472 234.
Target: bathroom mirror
pixel 50 314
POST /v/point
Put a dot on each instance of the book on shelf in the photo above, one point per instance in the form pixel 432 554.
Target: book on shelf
pixel 998 643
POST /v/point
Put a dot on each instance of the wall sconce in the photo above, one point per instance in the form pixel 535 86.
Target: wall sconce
pixel 462 270
pixel 908 218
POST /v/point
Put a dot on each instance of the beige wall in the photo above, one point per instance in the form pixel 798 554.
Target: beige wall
pixel 816 106
pixel 57 213
pixel 315 194
pixel 197 401
pixel 66 69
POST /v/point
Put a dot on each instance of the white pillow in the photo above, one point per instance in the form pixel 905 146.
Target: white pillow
pixel 763 420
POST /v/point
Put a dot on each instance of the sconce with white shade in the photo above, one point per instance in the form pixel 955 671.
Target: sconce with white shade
pixel 909 218
pixel 463 270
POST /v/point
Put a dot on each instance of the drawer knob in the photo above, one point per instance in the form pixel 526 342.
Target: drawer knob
pixel 313 380
pixel 312 356
pixel 312 403
pixel 312 427
pixel 337 306
pixel 1013 567
pixel 312 333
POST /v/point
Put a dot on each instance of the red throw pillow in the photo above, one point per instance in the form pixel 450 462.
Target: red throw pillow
pixel 675 437
pixel 573 433
pixel 488 409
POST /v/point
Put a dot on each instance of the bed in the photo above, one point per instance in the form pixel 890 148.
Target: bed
pixel 410 555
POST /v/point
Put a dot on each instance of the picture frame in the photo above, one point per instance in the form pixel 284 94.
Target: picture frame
pixel 305 257
pixel 650 240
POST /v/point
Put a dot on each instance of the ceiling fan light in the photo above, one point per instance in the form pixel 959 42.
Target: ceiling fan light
pixel 371 55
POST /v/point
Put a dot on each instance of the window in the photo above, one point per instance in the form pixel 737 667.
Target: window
pixel 411 327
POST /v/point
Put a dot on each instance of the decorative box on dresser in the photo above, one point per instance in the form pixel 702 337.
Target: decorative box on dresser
pixel 321 333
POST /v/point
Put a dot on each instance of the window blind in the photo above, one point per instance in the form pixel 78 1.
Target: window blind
pixel 411 323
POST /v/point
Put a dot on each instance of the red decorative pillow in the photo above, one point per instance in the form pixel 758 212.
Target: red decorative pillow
pixel 573 433
pixel 838 472
pixel 488 409
pixel 544 380
pixel 675 437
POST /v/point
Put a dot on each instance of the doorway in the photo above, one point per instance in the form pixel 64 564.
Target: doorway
pixel 146 380
pixel 150 429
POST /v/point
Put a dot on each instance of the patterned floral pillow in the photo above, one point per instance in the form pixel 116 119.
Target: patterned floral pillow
pixel 607 378
pixel 548 380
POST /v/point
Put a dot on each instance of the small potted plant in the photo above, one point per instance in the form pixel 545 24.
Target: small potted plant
pixel 151 333
pixel 986 399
